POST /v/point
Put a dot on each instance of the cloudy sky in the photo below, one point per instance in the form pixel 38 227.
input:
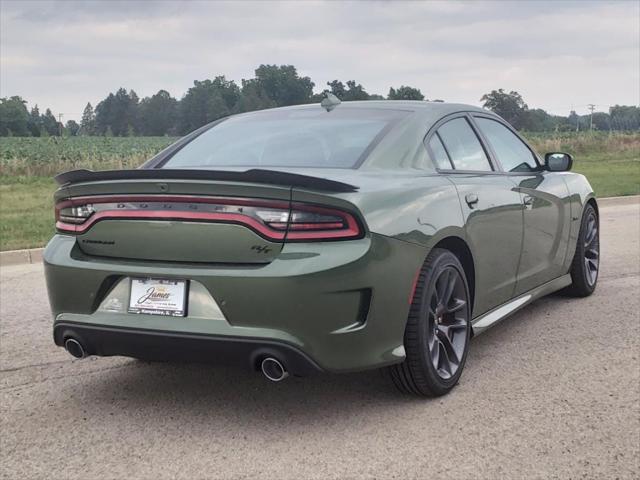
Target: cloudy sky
pixel 61 54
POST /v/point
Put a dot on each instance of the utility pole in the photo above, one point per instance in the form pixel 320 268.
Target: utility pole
pixel 592 107
pixel 60 123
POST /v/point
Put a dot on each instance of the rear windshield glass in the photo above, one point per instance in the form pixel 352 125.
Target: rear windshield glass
pixel 289 138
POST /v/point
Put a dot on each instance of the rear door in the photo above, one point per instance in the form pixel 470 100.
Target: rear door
pixel 545 197
pixel 491 206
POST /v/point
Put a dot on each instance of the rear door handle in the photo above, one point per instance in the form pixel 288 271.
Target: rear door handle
pixel 471 199
pixel 528 200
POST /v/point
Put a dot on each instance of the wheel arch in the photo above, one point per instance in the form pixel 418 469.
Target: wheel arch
pixel 592 201
pixel 461 250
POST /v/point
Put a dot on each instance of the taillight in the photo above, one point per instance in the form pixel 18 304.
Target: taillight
pixel 74 215
pixel 310 222
pixel 274 220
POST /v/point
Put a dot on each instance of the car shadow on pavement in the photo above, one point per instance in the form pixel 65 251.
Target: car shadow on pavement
pixel 185 392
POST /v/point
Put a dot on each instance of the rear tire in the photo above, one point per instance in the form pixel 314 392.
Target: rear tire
pixel 586 261
pixel 437 334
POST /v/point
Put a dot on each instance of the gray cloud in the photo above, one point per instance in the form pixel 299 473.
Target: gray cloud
pixel 557 54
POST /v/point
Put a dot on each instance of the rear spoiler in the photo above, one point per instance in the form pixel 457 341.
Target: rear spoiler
pixel 271 177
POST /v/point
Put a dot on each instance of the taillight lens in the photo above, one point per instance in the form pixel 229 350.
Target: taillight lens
pixel 273 220
pixel 301 220
pixel 75 215
pixel 310 222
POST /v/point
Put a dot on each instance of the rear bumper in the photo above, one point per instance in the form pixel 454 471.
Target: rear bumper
pixel 342 305
pixel 191 347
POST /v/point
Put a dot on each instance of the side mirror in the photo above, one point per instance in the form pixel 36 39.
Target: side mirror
pixel 558 162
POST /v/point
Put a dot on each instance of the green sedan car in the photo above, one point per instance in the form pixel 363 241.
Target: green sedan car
pixel 320 238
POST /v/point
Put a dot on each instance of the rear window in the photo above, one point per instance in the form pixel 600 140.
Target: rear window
pixel 289 138
pixel 463 146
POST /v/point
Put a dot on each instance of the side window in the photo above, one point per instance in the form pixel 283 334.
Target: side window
pixel 514 156
pixel 464 148
pixel 440 157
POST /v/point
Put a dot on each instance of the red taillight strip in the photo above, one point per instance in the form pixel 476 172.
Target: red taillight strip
pixel 172 215
pixel 311 231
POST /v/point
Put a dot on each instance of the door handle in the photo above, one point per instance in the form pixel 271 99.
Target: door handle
pixel 528 200
pixel 471 199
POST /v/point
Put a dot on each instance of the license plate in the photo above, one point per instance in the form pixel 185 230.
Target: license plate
pixel 158 296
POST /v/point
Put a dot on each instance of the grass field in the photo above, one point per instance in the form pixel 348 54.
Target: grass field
pixel 610 162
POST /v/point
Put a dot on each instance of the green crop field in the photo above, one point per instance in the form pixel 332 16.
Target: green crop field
pixel 611 162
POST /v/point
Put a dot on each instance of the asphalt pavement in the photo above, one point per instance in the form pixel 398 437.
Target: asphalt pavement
pixel 552 392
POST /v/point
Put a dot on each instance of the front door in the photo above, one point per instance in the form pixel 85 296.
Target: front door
pixel 547 221
pixel 545 198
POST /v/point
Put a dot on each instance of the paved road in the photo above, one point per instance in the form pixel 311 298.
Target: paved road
pixel 553 392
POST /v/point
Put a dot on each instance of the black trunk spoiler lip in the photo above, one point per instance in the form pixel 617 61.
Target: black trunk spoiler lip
pixel 256 175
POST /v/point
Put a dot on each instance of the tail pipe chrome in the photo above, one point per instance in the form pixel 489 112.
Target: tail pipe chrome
pixel 273 369
pixel 75 348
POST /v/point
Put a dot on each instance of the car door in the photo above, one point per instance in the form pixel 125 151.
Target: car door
pixel 491 206
pixel 546 212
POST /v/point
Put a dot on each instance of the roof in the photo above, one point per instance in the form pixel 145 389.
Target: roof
pixel 441 108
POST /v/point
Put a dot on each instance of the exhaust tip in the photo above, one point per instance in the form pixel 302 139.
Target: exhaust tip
pixel 75 348
pixel 273 369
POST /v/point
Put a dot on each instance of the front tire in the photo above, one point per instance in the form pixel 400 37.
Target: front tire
pixel 586 261
pixel 436 338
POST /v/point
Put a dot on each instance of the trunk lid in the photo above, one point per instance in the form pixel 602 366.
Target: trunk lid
pixel 181 215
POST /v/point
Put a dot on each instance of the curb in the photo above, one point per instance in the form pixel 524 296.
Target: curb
pixel 19 257
pixel 615 201
pixel 34 255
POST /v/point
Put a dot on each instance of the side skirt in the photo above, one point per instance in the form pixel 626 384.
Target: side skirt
pixel 489 319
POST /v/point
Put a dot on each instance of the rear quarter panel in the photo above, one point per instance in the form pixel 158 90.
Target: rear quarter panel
pixel 414 210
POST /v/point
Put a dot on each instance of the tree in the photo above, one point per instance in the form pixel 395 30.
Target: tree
pixel 88 122
pixel 14 117
pixel 509 106
pixel 206 101
pixel 158 114
pixel 72 128
pixel 104 115
pixel 353 91
pixel 405 93
pixel 625 117
pixel 573 120
pixel 252 97
pixel 34 123
pixel 49 123
pixel 119 111
pixel 282 85
pixel 537 120
pixel 601 121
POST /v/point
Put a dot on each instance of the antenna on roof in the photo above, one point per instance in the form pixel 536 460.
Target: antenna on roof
pixel 330 102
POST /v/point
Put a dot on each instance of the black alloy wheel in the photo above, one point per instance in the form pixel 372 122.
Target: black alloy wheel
pixel 591 248
pixel 438 330
pixel 448 322
pixel 586 261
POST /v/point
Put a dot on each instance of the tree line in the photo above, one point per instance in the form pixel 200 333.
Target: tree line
pixel 123 113
pixel 512 107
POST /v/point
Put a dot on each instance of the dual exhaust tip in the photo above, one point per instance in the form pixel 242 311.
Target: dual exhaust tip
pixel 75 348
pixel 271 368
